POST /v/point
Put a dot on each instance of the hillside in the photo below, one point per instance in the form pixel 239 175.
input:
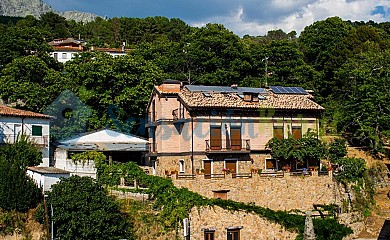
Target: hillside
pixel 22 8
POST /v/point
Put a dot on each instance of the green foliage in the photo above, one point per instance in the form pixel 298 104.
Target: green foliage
pixel 83 210
pixel 307 147
pixel 337 149
pixel 98 157
pixel 175 204
pixel 351 169
pixel 18 191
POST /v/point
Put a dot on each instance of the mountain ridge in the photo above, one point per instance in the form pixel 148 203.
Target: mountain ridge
pixel 22 8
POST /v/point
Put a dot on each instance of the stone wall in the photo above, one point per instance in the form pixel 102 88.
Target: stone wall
pixel 251 225
pixel 278 193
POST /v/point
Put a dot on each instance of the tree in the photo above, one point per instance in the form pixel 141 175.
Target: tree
pixel 18 191
pixel 31 81
pixel 116 88
pixel 83 210
pixel 363 112
pixel 17 42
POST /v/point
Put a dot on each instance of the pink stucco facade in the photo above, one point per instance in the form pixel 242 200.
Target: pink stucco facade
pixel 180 134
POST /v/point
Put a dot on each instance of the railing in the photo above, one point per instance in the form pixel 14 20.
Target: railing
pixel 323 173
pixel 301 173
pixel 11 138
pixel 185 176
pixel 226 145
pixel 241 175
pixel 278 174
pixel 214 176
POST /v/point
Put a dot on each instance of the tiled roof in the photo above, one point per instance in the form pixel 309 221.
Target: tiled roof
pixel 8 111
pixel 162 90
pixel 232 100
pixel 48 170
pixel 67 49
pixel 66 41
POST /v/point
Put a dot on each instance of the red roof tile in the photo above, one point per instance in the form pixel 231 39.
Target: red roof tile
pixel 8 111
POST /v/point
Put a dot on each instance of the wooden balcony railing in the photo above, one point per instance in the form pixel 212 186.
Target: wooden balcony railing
pixel 214 176
pixel 301 173
pixel 185 176
pixel 278 174
pixel 241 175
pixel 228 145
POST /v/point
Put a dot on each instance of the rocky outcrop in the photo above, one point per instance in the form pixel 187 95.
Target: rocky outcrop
pixel 22 8
pixel 79 16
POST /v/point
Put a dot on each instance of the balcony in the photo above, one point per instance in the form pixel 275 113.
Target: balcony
pixel 228 146
pixel 12 138
pixel 178 115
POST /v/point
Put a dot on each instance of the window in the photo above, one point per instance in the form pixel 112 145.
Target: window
pixel 278 132
pixel 235 136
pixel 64 55
pixel 181 166
pixel 296 132
pixel 56 56
pixel 208 169
pixel 215 138
pixel 233 234
pixel 270 164
pixel 209 235
pixel 36 130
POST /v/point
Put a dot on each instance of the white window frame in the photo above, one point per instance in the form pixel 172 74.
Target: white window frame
pixel 276 163
pixel 211 163
pixel 231 159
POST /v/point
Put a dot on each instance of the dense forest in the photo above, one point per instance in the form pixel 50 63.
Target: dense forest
pixel 346 63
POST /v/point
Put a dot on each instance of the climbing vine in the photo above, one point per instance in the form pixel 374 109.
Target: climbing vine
pixel 176 203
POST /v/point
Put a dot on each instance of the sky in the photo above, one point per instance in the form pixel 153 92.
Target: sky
pixel 252 17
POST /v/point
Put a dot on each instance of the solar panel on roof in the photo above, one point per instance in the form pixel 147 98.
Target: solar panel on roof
pixel 288 90
pixel 251 90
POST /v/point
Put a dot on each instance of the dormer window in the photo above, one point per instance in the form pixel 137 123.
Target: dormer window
pixel 251 97
pixel 207 94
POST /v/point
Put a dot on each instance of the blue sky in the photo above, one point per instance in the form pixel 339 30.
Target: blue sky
pixel 253 17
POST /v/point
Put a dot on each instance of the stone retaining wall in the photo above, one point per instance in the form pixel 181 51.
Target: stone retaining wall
pixel 285 193
pixel 251 225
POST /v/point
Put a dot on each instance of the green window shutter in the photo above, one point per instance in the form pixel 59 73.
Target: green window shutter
pixel 37 130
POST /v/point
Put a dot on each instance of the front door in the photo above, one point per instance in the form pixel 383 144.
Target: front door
pixel 207 169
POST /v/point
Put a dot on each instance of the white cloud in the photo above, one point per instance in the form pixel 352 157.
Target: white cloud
pixel 309 12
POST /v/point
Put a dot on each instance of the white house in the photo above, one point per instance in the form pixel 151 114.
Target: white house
pixel 117 146
pixel 36 126
pixel 66 48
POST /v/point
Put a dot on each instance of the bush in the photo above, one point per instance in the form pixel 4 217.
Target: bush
pixel 351 169
pixel 83 210
pixel 18 191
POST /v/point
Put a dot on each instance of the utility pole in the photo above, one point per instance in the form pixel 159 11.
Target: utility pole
pixel 266 71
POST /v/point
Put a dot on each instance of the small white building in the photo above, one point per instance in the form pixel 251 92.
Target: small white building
pixel 45 177
pixel 36 126
pixel 117 146
pixel 66 48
